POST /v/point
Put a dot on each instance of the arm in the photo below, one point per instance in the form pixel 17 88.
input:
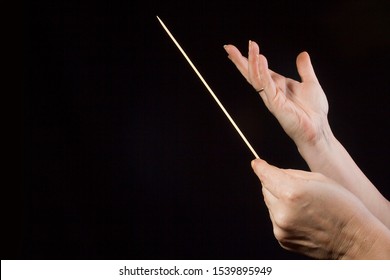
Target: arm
pixel 301 108
pixel 313 215
pixel 331 159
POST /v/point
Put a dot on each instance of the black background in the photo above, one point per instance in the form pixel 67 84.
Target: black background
pixel 126 156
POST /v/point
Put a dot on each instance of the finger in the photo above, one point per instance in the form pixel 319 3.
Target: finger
pixel 253 66
pixel 305 68
pixel 269 199
pixel 266 79
pixel 261 78
pixel 274 209
pixel 240 61
pixel 298 173
pixel 271 177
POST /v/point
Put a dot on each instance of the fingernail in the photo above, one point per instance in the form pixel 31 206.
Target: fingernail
pixel 225 46
pixel 250 45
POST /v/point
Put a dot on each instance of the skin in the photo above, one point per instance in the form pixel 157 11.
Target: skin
pixel 313 215
pixel 301 109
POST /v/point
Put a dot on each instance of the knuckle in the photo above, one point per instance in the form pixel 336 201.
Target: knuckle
pixel 280 235
pixel 285 245
pixel 291 195
pixel 283 220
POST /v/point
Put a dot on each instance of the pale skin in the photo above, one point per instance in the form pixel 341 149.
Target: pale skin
pixel 313 215
pixel 336 182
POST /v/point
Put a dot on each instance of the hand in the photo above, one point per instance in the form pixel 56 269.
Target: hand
pixel 313 215
pixel 300 107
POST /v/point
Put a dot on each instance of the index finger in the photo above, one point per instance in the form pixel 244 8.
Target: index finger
pixel 238 59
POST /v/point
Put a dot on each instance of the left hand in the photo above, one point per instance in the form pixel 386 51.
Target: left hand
pixel 313 215
pixel 300 107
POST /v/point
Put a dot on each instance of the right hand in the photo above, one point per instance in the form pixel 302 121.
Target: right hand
pixel 300 107
pixel 313 215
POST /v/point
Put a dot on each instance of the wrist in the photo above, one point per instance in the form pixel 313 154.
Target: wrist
pixel 370 239
pixel 319 148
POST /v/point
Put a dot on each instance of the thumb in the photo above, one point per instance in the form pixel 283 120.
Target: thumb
pixel 260 167
pixel 305 68
pixel 271 177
